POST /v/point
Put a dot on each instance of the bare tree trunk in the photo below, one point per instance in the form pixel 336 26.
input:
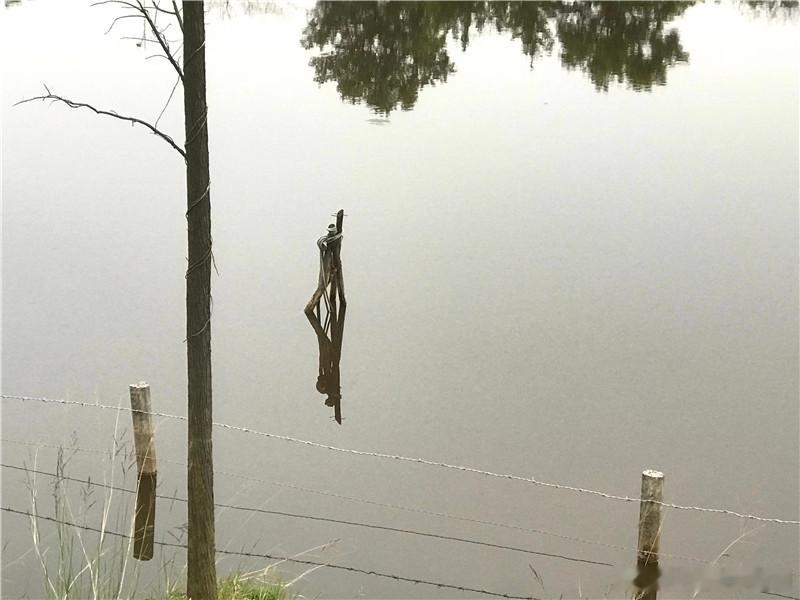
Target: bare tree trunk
pixel 201 569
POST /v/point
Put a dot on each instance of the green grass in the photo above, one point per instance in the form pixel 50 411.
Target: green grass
pixel 237 587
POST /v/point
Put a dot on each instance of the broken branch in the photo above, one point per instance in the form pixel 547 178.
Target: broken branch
pixel 108 113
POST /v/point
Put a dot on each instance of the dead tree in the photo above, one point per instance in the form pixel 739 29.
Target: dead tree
pixel 328 324
pixel 201 567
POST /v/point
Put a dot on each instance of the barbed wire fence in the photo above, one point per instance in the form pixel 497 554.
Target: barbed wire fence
pixel 423 461
pixel 388 505
pixel 765 520
pixel 252 509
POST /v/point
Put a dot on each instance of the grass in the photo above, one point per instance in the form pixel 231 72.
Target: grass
pixel 241 587
pixel 78 565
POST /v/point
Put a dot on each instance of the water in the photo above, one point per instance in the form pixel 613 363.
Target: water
pixel 568 255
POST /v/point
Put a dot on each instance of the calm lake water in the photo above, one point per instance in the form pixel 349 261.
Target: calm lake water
pixel 571 253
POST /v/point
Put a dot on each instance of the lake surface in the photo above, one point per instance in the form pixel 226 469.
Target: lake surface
pixel 570 251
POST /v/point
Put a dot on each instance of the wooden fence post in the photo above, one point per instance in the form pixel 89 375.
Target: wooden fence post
pixel 650 516
pixel 647 571
pixel 145 515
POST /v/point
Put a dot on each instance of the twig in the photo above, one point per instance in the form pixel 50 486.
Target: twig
pixel 144 38
pixel 158 56
pixel 160 37
pixel 142 11
pixel 108 113
pixel 175 12
pixel 157 7
pixel 122 2
pixel 114 22
pixel 163 110
pixel 141 39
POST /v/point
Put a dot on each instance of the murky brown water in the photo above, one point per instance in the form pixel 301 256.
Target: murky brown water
pixel 571 253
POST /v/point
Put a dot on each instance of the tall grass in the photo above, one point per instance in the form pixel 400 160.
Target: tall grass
pixel 82 564
pixel 78 565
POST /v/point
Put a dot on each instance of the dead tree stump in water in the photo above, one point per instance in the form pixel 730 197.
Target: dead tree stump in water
pixel 326 311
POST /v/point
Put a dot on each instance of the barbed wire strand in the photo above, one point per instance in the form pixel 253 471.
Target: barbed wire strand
pixel 780 595
pixel 424 461
pixel 388 505
pixel 348 568
pixel 89 482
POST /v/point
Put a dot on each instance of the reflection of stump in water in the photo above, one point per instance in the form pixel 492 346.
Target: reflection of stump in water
pixel 328 323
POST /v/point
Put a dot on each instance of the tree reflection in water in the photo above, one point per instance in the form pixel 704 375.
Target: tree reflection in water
pixel 380 53
pixel 385 53
pixel 620 41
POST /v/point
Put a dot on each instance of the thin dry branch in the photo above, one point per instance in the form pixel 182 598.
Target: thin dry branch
pixel 161 40
pixel 142 39
pixel 108 113
pixel 159 56
pixel 121 2
pixel 163 110
pixel 117 19
pixel 158 8
pixel 175 12
pixel 143 12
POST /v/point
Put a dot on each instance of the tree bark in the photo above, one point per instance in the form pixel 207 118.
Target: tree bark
pixel 201 569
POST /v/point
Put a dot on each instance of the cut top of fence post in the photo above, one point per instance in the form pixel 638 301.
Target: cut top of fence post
pixel 143 427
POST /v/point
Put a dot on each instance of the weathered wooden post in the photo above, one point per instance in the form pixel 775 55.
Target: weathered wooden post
pixel 650 516
pixel 647 570
pixel 145 515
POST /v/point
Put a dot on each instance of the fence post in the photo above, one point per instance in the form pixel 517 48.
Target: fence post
pixel 647 571
pixel 650 516
pixel 145 515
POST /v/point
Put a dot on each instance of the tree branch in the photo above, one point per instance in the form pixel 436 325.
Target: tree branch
pixel 160 38
pixel 141 40
pixel 177 14
pixel 122 2
pixel 142 11
pixel 157 6
pixel 163 110
pixel 117 19
pixel 133 120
